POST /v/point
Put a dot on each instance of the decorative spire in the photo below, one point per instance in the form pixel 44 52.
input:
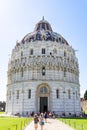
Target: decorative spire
pixel 43 18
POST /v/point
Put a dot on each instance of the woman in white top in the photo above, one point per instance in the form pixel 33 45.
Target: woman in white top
pixel 41 121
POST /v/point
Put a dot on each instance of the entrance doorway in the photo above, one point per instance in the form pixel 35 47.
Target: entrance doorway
pixel 43 104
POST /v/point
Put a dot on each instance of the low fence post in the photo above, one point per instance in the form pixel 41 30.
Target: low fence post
pixel 21 125
pixel 16 126
pixel 65 121
pixel 62 119
pixel 69 122
pixel 75 125
pixel 24 122
pixel 82 127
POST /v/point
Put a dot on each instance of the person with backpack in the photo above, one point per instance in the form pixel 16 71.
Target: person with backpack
pixel 36 120
pixel 41 121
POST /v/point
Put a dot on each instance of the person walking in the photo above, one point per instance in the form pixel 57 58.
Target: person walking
pixel 41 121
pixel 36 120
pixel 45 116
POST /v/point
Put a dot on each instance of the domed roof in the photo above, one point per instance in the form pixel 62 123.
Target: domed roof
pixel 43 31
pixel 43 25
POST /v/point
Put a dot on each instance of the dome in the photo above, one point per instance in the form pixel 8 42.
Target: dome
pixel 43 31
pixel 43 25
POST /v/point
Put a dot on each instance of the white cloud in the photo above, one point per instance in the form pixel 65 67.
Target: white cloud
pixel 82 91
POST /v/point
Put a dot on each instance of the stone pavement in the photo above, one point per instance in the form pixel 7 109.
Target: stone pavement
pixel 52 124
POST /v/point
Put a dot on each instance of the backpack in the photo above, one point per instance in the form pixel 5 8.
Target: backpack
pixel 35 120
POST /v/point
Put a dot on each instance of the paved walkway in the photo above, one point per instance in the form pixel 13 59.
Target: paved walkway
pixel 52 124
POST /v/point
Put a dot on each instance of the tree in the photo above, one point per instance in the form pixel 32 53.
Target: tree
pixel 2 105
pixel 85 95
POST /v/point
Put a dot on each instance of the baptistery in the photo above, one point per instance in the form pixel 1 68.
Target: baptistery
pixel 43 74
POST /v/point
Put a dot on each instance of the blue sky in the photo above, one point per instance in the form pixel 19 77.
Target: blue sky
pixel 67 17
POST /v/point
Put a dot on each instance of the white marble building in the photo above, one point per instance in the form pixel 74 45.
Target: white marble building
pixel 43 74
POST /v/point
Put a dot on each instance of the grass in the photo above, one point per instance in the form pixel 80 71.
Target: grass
pixel 2 112
pixel 85 112
pixel 76 123
pixel 13 123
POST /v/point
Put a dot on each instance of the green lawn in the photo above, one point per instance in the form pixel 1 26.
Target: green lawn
pixel 2 112
pixel 76 123
pixel 85 112
pixel 13 123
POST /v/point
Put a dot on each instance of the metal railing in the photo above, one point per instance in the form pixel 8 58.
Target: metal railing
pixel 22 125
pixel 74 124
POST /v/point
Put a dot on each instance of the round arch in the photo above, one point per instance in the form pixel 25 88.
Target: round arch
pixel 43 98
